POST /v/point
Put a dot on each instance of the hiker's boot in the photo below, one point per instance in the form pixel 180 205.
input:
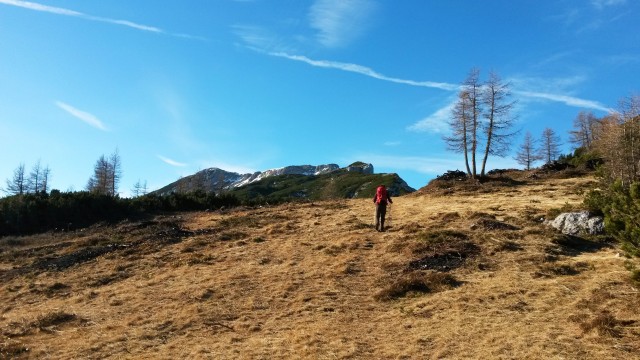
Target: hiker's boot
pixel 377 224
pixel 382 226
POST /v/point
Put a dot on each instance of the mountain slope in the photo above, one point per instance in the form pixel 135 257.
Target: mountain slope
pixel 292 182
pixel 336 185
pixel 448 280
pixel 218 180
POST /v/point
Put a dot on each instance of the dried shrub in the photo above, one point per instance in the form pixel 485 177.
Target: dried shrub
pixel 57 287
pixel 442 250
pixel 356 224
pixel 490 224
pixel 635 277
pixel 108 279
pixel 552 270
pixel 12 349
pixel 605 324
pixel 233 235
pixel 418 283
pixel 412 228
pixel 448 217
pixel 509 246
pixel 51 320
pixel 481 215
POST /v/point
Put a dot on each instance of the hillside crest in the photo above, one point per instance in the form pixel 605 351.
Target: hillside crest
pixel 218 180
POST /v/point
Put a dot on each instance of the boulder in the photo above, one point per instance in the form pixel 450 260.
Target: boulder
pixel 574 223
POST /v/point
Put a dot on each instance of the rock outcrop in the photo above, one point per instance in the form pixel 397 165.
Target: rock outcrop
pixel 575 223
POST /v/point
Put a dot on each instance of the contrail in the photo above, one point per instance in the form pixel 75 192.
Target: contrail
pixel 67 12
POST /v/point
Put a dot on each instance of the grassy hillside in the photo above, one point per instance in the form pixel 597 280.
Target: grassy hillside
pixel 463 272
pixel 336 185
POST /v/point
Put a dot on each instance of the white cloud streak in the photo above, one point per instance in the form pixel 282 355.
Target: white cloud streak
pixel 39 7
pixel 565 99
pixel 366 71
pixel 438 122
pixel 363 70
pixel 339 22
pixel 82 115
pixel 171 162
pixel 67 12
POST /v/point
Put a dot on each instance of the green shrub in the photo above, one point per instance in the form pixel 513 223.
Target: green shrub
pixel 621 208
pixel 33 213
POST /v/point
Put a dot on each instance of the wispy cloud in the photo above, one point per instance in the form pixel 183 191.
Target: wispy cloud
pixel 67 12
pixel 556 90
pixel 171 162
pixel 566 99
pixel 82 115
pixel 601 4
pixel 260 38
pixel 436 122
pixel 520 87
pixel 363 70
pixel 339 22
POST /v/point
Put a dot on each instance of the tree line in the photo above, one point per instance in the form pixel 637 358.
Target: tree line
pixel 481 124
pixel 615 139
pixel 36 181
pixel 105 180
pixel 63 211
pixel 31 207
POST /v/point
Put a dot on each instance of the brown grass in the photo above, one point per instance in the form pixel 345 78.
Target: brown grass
pixel 317 281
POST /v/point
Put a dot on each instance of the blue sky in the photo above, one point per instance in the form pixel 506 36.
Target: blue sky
pixel 245 85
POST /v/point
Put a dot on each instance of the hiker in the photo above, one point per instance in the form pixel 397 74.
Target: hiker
pixel 380 199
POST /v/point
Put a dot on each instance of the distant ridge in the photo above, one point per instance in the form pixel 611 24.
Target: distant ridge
pixel 296 181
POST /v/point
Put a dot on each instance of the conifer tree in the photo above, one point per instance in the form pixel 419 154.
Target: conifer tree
pixel 527 154
pixel 18 184
pixel 550 145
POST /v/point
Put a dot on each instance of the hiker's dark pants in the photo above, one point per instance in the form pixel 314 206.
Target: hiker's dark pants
pixel 381 211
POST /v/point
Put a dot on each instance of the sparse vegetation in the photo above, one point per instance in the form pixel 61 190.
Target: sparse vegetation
pixel 273 281
pixel 58 211
pixel 417 283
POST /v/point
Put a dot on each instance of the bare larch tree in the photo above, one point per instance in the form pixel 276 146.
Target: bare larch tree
pixel 585 130
pixel 499 121
pixel 482 110
pixel 550 145
pixel 459 123
pixel 527 154
pixel 18 184
pixel 106 175
pixel 619 142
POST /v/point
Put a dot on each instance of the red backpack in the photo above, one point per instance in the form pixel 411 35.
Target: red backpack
pixel 381 194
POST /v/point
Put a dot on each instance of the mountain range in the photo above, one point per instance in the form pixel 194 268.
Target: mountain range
pixel 297 181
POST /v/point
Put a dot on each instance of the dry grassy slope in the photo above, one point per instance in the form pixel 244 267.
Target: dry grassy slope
pixel 309 281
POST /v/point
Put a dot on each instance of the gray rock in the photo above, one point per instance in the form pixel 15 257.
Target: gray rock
pixel 575 223
pixel 360 168
pixel 595 225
